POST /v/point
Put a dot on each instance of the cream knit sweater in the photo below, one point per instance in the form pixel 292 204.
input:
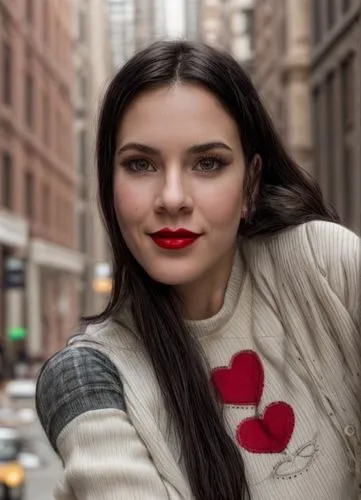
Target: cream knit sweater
pixel 284 352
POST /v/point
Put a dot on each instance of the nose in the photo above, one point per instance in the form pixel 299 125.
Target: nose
pixel 175 193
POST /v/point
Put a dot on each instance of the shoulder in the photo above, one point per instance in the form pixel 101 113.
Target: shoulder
pixel 327 243
pixel 333 240
pixel 335 249
pixel 116 333
pixel 74 381
pixel 329 251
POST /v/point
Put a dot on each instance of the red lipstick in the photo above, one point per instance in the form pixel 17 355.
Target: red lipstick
pixel 174 239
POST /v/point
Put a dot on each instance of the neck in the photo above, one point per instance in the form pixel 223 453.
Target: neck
pixel 203 298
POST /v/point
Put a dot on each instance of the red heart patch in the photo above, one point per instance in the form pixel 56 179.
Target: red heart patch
pixel 270 434
pixel 242 382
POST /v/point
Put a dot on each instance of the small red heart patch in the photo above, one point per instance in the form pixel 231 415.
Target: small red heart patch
pixel 242 382
pixel 269 434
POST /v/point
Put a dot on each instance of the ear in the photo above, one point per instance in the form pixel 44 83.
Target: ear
pixel 251 187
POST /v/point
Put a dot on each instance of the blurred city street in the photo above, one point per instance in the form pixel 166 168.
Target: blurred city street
pixel 40 482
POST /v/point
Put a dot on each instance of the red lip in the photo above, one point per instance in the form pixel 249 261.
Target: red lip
pixel 174 239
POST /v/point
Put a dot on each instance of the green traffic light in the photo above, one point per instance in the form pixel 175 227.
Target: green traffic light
pixel 17 333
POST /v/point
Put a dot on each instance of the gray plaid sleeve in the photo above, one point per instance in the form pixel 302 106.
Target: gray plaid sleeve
pixel 72 382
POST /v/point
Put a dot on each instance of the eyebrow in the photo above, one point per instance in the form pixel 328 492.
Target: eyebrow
pixel 197 148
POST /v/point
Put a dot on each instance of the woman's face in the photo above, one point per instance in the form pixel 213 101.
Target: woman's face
pixel 179 165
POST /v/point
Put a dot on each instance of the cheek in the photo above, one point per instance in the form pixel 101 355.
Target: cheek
pixel 224 208
pixel 128 204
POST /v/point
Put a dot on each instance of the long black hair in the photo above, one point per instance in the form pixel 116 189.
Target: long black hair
pixel 279 194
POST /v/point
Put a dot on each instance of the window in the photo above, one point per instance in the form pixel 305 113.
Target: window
pixel 316 21
pixel 81 25
pixel 7 73
pixel 330 13
pixel 29 195
pixel 348 184
pixel 316 98
pixel 58 132
pixel 61 214
pixel 82 232
pixel 46 205
pixel 57 38
pixel 348 90
pixel 346 4
pixel 330 124
pixel 29 99
pixel 82 91
pixel 7 167
pixel 282 35
pixel 82 151
pixel 29 10
pixel 57 211
pixel 46 117
pixel 249 26
pixel 45 21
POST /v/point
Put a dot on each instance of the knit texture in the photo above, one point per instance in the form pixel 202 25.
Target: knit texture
pixel 284 354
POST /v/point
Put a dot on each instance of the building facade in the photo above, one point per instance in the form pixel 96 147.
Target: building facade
pixel 214 23
pixel 281 70
pixel 192 19
pixel 121 15
pixel 37 177
pixel 93 68
pixel 133 25
pixel 336 104
pixel 229 24
pixel 240 28
pixel 149 22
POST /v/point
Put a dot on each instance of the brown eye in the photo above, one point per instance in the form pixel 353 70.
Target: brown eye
pixel 209 164
pixel 139 165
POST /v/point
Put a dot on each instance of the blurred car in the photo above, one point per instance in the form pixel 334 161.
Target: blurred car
pixel 21 388
pixel 12 473
pixel 16 418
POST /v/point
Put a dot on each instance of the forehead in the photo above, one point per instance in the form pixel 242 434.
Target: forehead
pixel 182 112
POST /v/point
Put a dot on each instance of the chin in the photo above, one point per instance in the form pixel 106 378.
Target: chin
pixel 173 275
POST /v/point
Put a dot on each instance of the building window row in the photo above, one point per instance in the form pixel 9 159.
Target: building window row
pixel 55 212
pixel 29 11
pixel 6 180
pixel 50 117
pixel 348 78
pixel 50 28
pixel 7 73
pixel 325 15
pixel 29 100
pixel 334 122
pixel 29 196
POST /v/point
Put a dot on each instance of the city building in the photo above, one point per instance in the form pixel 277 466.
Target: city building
pixel 336 104
pixel 281 70
pixel 240 29
pixel 122 30
pixel 192 19
pixel 134 24
pixel 214 23
pixel 39 263
pixel 229 24
pixel 149 22
pixel 93 69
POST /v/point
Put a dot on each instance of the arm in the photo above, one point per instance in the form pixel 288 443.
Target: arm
pixel 81 407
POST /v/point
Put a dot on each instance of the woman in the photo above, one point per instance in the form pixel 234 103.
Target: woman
pixel 226 364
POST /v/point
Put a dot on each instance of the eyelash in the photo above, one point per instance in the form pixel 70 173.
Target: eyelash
pixel 129 164
pixel 218 159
